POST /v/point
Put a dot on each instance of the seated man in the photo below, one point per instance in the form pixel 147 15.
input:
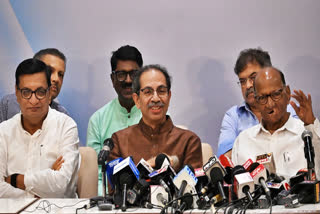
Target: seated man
pixel 278 132
pixel 246 115
pixel 39 153
pixel 57 62
pixel 120 112
pixel 155 133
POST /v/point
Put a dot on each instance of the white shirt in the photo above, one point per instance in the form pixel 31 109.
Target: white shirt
pixel 285 143
pixel 34 155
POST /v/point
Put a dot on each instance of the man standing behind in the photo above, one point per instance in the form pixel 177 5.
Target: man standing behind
pixel 57 62
pixel 278 132
pixel 120 112
pixel 155 133
pixel 246 115
pixel 38 147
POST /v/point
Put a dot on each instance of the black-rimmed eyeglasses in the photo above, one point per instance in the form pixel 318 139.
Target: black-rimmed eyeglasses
pixel 122 75
pixel 275 96
pixel 162 91
pixel 40 93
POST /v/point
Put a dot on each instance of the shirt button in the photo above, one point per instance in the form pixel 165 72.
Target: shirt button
pixel 128 116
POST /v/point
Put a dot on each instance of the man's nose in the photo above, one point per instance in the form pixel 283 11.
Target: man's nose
pixel 33 99
pixel 270 103
pixel 155 97
pixel 128 79
pixel 54 77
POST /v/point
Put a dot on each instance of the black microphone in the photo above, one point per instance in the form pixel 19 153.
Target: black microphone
pixel 161 160
pixel 216 177
pixel 126 181
pixel 186 203
pixel 308 151
pixel 105 151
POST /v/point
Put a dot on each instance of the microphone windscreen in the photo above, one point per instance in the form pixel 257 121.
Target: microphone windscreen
pixel 109 143
pixel 216 175
pixel 238 170
pixel 160 159
pixel 306 133
pixel 253 166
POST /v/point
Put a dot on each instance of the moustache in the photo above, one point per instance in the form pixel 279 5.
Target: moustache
pixel 126 85
pixel 158 104
pixel 250 90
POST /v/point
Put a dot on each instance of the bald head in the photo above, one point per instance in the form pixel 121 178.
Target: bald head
pixel 269 74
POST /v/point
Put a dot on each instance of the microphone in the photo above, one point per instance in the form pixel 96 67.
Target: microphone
pixel 228 165
pixel 183 178
pixel 161 161
pixel 202 179
pixel 164 177
pixel 125 181
pixel 215 173
pixel 268 162
pixel 144 168
pixel 125 174
pixel 159 196
pixel 186 203
pixel 259 174
pixel 105 151
pixel 161 199
pixel 308 151
pixel 243 182
pixel 139 192
pixel 109 170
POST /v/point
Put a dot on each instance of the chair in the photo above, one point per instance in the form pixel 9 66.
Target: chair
pixel 207 152
pixel 88 173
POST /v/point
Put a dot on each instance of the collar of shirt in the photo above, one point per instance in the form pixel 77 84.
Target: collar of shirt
pixel 289 125
pixel 44 124
pixel 123 110
pixel 164 127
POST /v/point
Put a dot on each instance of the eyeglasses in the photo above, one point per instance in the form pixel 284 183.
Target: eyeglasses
pixel 122 75
pixel 275 96
pixel 243 81
pixel 162 91
pixel 27 93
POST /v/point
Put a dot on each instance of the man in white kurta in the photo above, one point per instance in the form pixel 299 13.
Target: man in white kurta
pixel 277 132
pixel 39 154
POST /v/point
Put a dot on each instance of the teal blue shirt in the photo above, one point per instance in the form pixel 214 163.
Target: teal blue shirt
pixel 111 118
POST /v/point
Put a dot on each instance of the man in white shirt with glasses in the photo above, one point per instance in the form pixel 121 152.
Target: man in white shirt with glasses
pixel 39 153
pixel 278 132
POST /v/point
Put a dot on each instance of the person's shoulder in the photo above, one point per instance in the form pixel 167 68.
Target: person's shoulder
pixel 10 124
pixel 250 132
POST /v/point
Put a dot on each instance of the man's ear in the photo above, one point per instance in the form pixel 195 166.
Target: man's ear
pixel 136 100
pixel 113 79
pixel 288 92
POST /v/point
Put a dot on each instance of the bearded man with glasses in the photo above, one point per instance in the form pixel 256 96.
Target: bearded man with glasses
pixel 278 132
pixel 120 112
pixel 243 116
pixel 39 154
pixel 155 133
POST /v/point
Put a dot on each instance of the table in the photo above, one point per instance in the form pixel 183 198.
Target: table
pixel 12 205
pixel 72 204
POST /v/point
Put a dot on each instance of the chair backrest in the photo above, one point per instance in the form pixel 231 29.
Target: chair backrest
pixel 207 152
pixel 88 173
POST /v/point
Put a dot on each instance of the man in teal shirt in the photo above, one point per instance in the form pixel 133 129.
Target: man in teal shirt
pixel 120 112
